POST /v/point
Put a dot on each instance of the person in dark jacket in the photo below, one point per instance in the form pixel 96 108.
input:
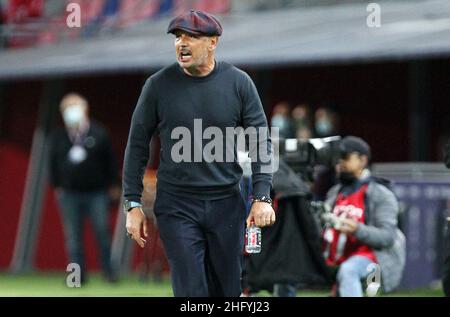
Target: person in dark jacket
pixel 83 171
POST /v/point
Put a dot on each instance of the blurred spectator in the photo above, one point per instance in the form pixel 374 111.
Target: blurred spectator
pixel 366 231
pixel 282 120
pixel 303 133
pixel 326 122
pixel 83 170
pixel 301 121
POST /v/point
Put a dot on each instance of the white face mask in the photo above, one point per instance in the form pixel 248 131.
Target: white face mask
pixel 73 115
pixel 324 127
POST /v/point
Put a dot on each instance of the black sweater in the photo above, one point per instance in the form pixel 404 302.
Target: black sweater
pixel 169 99
pixel 97 172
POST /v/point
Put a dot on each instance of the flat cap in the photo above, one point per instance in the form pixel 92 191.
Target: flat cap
pixel 352 144
pixel 196 22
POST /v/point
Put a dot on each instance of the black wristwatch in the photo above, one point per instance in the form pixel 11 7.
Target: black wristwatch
pixel 128 205
pixel 262 198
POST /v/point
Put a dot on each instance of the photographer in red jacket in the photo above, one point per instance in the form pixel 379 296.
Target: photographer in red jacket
pixel 366 234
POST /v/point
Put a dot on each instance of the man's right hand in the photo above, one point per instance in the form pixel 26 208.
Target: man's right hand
pixel 137 222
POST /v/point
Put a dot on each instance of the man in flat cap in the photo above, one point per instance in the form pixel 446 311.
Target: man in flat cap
pixel 366 236
pixel 199 209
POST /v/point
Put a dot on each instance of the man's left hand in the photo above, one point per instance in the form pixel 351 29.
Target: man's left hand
pixel 262 214
pixel 348 226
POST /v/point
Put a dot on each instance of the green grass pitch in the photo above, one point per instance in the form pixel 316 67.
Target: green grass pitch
pixel 54 285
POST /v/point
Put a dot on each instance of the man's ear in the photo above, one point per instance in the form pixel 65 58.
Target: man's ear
pixel 213 42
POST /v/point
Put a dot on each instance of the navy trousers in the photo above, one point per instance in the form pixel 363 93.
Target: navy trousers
pixel 204 241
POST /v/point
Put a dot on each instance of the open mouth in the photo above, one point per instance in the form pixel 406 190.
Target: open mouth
pixel 185 56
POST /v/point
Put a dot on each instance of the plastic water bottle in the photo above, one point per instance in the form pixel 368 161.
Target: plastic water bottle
pixel 253 239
